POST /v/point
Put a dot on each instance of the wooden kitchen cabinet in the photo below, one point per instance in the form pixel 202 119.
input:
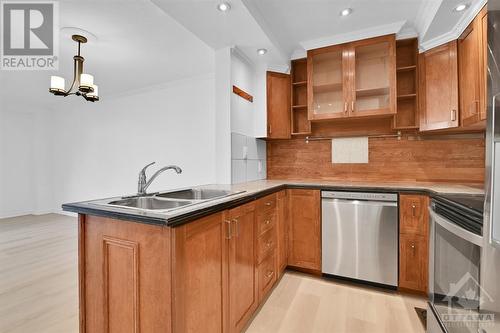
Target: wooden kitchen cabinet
pixel 438 88
pixel 304 229
pixel 278 105
pixel 125 285
pixel 472 47
pixel 355 79
pixel 199 288
pixel 282 226
pixel 414 217
pixel 483 72
pixel 329 73
pixel 413 263
pixel 413 242
pixel 373 82
pixel 242 269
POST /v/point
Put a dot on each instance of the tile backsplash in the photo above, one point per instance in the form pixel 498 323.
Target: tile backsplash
pixel 248 158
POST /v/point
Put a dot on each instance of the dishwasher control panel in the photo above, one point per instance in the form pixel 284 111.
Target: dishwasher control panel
pixel 371 196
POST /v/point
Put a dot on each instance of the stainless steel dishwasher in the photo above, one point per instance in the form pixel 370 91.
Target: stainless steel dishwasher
pixel 360 236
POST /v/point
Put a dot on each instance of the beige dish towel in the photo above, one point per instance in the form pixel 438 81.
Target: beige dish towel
pixel 350 150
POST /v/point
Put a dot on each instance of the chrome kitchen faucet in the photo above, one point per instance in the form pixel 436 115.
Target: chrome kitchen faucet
pixel 143 183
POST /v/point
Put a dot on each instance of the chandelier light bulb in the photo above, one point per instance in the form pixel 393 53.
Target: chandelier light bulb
pixel 57 83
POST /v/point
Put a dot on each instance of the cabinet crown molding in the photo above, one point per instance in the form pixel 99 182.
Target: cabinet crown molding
pixel 380 30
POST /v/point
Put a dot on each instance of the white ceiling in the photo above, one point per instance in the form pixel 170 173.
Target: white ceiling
pixel 138 45
pixel 297 22
pixel 218 29
pixel 292 26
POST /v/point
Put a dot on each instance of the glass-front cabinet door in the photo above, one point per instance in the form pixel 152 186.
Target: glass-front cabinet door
pixel 373 82
pixel 328 88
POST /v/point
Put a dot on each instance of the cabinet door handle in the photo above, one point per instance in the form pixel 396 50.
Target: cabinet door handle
pixel 352 106
pixel 228 234
pixel 270 129
pixel 268 204
pixel 413 246
pixel 268 244
pixel 345 107
pixel 413 209
pixel 269 274
pixel 453 115
pixel 237 227
pixel 267 222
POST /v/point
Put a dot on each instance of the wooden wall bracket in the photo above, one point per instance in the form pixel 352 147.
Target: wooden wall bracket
pixel 242 94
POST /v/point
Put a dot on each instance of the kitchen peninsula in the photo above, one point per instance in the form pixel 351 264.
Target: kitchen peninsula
pixel 207 266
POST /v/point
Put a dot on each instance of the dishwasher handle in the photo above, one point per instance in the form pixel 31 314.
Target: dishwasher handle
pixel 362 202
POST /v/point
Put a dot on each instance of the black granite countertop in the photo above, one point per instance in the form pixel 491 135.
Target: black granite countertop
pixel 250 191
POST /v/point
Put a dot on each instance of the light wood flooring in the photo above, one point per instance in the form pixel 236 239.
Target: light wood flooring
pixel 38 274
pixel 39 293
pixel 302 303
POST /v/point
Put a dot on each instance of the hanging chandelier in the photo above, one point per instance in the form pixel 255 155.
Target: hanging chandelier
pixel 83 84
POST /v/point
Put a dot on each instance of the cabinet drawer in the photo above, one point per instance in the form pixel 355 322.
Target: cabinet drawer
pixel 266 203
pixel 414 214
pixel 267 275
pixel 266 243
pixel 265 221
pixel 413 263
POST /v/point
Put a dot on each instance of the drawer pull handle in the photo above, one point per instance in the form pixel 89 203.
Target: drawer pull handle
pixel 228 235
pixel 237 227
pixel 269 274
pixel 453 115
pixel 268 203
pixel 267 221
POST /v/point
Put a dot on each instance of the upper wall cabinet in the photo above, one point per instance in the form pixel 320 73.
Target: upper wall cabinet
pixel 278 105
pixel 374 77
pixel 328 86
pixel 472 46
pixel 352 80
pixel 438 85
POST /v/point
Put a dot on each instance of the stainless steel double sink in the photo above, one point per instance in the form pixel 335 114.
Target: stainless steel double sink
pixel 172 200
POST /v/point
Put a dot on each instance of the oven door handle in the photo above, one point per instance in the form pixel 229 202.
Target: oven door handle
pixel 457 230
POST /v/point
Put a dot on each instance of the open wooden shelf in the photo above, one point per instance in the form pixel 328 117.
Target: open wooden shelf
pixel 406 68
pixel 372 92
pixel 407 117
pixel 300 124
pixel 301 133
pixel 407 96
pixel 325 88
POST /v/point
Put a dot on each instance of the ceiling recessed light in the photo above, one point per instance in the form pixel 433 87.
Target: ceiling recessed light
pixel 346 12
pixel 262 51
pixel 223 6
pixel 460 7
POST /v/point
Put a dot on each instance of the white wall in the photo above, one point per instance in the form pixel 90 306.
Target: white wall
pixel 223 94
pixel 242 110
pixel 248 154
pixel 16 163
pixel 98 149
